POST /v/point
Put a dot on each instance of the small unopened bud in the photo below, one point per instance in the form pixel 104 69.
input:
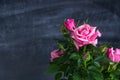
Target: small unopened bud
pixel 86 56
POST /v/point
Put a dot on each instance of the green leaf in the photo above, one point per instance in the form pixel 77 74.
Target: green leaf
pixel 74 56
pixel 78 22
pixel 99 58
pixel 117 72
pixel 64 31
pixel 115 75
pixel 86 21
pixel 94 73
pixel 102 49
pixel 79 62
pixel 61 46
pixel 97 64
pixel 93 68
pixel 58 75
pixel 52 68
pixel 76 76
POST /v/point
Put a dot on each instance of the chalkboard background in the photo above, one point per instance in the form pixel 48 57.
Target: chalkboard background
pixel 29 30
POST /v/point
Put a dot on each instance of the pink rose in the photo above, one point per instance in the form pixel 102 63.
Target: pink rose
pixel 113 55
pixel 56 54
pixel 85 34
pixel 70 24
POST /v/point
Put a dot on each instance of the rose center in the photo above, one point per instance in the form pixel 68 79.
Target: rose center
pixel 84 32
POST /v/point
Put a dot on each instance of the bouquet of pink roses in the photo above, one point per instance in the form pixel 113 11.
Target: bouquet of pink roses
pixel 78 57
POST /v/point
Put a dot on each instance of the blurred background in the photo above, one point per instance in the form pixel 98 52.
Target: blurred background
pixel 29 30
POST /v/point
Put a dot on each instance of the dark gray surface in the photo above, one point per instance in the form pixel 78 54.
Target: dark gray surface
pixel 29 29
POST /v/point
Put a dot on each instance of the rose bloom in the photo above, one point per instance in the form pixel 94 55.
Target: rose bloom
pixel 85 34
pixel 113 55
pixel 70 24
pixel 56 54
